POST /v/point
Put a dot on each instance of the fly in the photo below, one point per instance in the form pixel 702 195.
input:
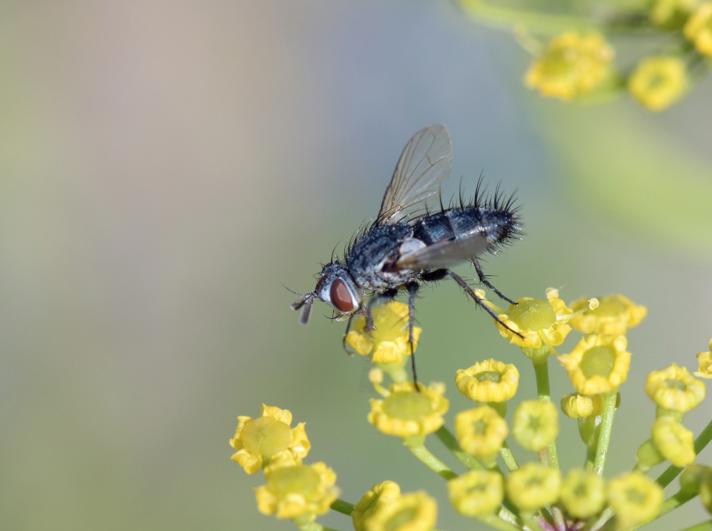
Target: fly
pixel 407 245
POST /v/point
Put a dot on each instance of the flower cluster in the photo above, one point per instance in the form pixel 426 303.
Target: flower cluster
pixel 493 486
pixel 575 64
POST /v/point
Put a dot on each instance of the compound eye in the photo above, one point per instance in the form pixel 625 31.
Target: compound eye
pixel 341 296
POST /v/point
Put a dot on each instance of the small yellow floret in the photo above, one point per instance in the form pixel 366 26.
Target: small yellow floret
pixel 416 511
pixel 674 441
pixel 583 493
pixel 578 406
pixel 481 431
pixel 597 364
pixel 571 65
pixel 635 499
pixel 612 316
pixel 704 360
pixel 383 492
pixel 387 343
pixel 407 412
pixel 298 491
pixel 658 82
pixel 269 440
pixel 674 388
pixel 536 424
pixel 698 29
pixel 533 485
pixel 488 381
pixel 541 322
pixel 477 492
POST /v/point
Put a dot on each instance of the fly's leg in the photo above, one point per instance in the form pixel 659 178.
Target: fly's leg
pixel 412 292
pixel 480 302
pixel 484 280
pixel 375 300
pixel 348 327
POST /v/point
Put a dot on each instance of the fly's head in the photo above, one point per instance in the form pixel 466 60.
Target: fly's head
pixel 335 287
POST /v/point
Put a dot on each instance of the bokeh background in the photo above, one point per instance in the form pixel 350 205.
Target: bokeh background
pixel 167 166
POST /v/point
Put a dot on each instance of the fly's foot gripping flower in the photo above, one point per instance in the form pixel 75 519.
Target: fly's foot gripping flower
pixel 481 432
pixel 541 323
pixel 407 412
pixel 387 343
pixel 704 360
pixel 658 82
pixel 415 511
pixel 674 441
pixel 612 316
pixel 571 65
pixel 536 424
pixel 488 381
pixel 533 486
pixel 698 29
pixel 634 498
pixel 578 406
pixel 477 492
pixel 383 492
pixel 298 492
pixel 269 440
pixel 675 389
pixel 583 493
pixel 597 364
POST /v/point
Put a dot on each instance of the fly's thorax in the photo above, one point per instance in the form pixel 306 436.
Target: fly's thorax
pixel 336 287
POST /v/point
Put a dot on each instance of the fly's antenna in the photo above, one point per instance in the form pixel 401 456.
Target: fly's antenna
pixel 304 303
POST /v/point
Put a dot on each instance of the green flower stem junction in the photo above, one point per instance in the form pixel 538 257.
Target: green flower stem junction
pixel 605 429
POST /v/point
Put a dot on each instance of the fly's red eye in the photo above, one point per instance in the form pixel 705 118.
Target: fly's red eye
pixel 341 296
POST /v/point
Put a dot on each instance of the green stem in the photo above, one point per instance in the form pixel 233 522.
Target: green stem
pixel 701 441
pixel 448 439
pixel 541 370
pixel 342 506
pixel 431 461
pixel 702 526
pixel 508 457
pixel 497 523
pixel 604 435
pixel 673 502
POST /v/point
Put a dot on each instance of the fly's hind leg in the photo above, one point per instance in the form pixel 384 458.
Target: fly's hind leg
pixel 485 281
pixel 479 300
pixel 412 288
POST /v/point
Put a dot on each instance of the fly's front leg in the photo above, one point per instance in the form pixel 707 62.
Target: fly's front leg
pixel 485 281
pixel 412 292
pixel 480 302
pixel 375 300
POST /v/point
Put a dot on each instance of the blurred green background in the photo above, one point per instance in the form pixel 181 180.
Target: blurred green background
pixel 165 167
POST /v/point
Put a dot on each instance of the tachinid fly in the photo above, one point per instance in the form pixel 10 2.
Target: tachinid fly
pixel 408 245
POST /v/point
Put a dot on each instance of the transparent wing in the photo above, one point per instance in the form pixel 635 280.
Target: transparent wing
pixel 444 253
pixel 423 165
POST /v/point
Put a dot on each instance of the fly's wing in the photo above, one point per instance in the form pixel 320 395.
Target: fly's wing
pixel 423 165
pixel 444 253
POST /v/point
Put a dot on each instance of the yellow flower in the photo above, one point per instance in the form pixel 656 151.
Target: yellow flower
pixel 635 498
pixel 384 492
pixel 269 440
pixel 488 381
pixel 477 492
pixel 698 29
pixel 674 441
pixel 410 512
pixel 597 364
pixel 578 406
pixel 704 359
pixel 613 315
pixel 297 491
pixel 583 493
pixel 658 82
pixel 533 485
pixel 406 412
pixel 536 424
pixel 670 13
pixel 540 322
pixel 675 389
pixel 387 343
pixel 571 65
pixel 481 431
